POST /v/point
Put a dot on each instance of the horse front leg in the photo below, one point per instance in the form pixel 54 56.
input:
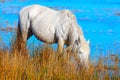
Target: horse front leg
pixel 60 45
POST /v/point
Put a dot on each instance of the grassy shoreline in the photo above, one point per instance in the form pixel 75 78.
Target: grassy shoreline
pixel 47 64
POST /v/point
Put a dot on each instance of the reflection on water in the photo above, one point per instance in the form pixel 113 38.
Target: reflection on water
pixel 100 21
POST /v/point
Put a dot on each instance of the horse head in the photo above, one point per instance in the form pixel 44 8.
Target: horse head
pixel 82 49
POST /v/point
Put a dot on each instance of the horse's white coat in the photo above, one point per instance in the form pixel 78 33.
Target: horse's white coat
pixel 52 26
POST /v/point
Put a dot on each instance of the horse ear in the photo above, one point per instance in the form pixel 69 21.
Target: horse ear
pixel 88 41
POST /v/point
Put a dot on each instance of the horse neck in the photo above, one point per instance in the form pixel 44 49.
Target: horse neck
pixel 73 35
pixel 74 32
pixel 80 32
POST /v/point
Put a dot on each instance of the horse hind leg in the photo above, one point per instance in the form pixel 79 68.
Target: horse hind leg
pixel 25 34
pixel 22 47
pixel 20 41
pixel 27 31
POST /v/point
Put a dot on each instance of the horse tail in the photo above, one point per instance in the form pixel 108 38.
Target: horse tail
pixel 19 35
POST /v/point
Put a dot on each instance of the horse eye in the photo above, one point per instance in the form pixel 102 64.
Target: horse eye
pixel 76 42
pixel 80 52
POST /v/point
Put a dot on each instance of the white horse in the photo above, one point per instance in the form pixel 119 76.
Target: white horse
pixel 52 26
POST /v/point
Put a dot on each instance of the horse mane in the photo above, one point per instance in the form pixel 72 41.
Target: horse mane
pixel 72 17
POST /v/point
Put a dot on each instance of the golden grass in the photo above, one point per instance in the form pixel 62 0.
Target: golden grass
pixel 47 64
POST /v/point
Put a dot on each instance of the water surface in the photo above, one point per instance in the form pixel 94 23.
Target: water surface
pixel 98 20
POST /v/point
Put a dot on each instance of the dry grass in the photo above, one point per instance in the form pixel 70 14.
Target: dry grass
pixel 47 64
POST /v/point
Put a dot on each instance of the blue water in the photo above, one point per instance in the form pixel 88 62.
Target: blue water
pixel 97 19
